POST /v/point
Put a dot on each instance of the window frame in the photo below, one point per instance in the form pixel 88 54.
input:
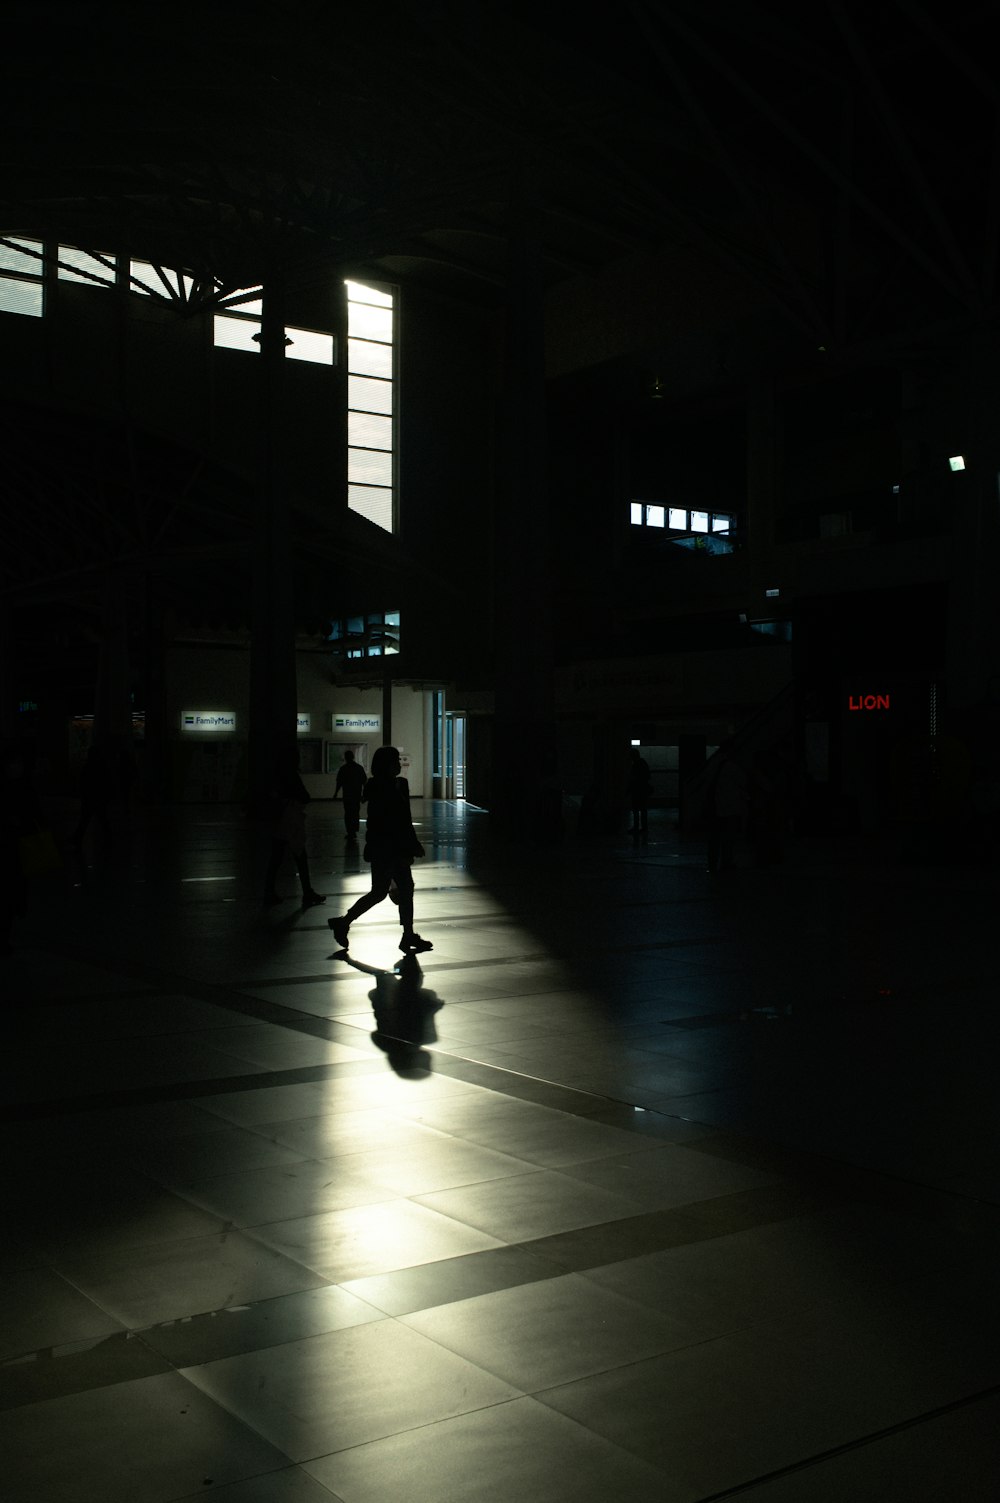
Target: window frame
pixel 36 250
pixel 389 291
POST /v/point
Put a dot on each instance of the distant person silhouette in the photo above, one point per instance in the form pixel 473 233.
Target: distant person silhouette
pixel 288 797
pixel 640 785
pixel 390 844
pixel 351 783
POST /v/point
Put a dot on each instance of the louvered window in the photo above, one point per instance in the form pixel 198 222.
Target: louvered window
pixel 370 415
pixel 90 267
pixel 21 274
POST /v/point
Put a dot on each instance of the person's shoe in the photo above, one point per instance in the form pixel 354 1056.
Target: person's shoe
pixel 413 942
pixel 340 927
pixel 310 899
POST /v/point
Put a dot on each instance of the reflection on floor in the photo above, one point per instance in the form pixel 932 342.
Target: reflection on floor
pixel 642 1184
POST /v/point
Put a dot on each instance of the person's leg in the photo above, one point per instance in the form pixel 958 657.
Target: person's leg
pixel 403 877
pixel 410 940
pixel 381 878
pixel 309 894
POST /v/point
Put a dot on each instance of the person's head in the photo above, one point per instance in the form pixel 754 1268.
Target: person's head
pixel 386 763
pixel 348 756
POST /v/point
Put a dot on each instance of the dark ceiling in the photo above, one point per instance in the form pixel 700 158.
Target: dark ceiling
pixel 841 155
pixel 839 160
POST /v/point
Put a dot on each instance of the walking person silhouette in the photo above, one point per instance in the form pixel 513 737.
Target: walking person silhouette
pixel 351 783
pixel 390 844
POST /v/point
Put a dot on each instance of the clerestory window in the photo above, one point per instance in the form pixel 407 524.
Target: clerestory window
pixel 92 268
pixel 22 272
pixel 707 531
pixel 371 482
pixel 236 325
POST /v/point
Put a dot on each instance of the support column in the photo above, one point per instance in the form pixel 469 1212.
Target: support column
pixel 762 473
pixel 525 771
pixel 273 689
pixel 386 705
pixel 112 704
pixel 156 787
pixel 973 632
pixel 8 716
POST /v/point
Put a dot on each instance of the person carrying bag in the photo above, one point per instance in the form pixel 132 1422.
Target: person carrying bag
pixel 390 845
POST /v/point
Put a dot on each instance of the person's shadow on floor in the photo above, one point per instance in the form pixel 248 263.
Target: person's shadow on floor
pixel 404 1013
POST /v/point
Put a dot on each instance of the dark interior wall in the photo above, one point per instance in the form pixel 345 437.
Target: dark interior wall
pixel 129 357
pixel 610 443
pixel 235 408
pixel 588 478
pixel 25 346
pixel 165 372
pixel 87 350
pixel 314 428
pixel 644 300
pixel 689 456
pixel 448 366
pixel 842 449
pixel 847 440
pixel 588 491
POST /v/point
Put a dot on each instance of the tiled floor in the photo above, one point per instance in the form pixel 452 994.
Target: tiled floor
pixel 641 1185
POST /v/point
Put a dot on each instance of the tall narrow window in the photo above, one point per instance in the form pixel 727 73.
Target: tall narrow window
pixel 370 417
pixel 21 274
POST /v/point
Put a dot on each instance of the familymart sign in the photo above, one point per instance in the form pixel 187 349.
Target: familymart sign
pixel 356 722
pixel 208 720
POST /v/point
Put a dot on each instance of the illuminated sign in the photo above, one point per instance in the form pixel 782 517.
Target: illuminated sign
pixel 303 722
pixel 868 701
pixel 208 720
pixel 356 722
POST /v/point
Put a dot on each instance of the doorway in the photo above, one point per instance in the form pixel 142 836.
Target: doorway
pixel 454 755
